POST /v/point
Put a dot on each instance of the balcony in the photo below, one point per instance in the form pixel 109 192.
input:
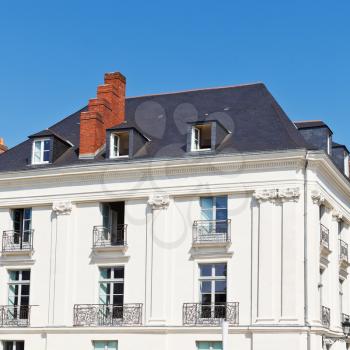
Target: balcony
pixel 101 315
pixel 324 241
pixel 17 243
pixel 110 239
pixel 325 316
pixel 15 316
pixel 196 314
pixel 211 232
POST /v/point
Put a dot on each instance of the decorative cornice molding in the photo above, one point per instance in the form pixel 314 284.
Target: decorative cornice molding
pixel 62 208
pixel 159 201
pixel 276 194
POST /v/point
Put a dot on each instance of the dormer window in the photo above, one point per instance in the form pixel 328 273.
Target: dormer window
pixel 201 137
pixel 41 151
pixel 120 144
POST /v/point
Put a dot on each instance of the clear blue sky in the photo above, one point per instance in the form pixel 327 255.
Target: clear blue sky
pixel 54 54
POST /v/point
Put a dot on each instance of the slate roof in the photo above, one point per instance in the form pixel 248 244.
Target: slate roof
pixel 256 122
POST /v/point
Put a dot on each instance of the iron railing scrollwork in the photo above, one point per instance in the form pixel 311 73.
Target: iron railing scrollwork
pixel 101 315
pixel 106 237
pixel 197 314
pixel 15 315
pixel 324 236
pixel 343 250
pixel 13 241
pixel 211 231
pixel 325 316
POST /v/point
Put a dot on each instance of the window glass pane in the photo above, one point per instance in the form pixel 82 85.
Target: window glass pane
pixel 46 156
pixel 118 288
pixel 27 213
pixel 119 272
pixel 221 202
pixel 112 345
pixel 37 151
pixel 220 286
pixel 206 287
pixel 220 270
pixel 217 345
pixel 221 214
pixel 118 300
pixel 14 275
pixel 19 345
pixel 105 273
pixel 206 203
pixel 99 345
pixel 206 299
pixel 205 270
pixel 47 144
pixel 203 345
pixel 26 275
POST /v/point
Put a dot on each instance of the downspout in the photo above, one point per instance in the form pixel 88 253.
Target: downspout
pixel 306 292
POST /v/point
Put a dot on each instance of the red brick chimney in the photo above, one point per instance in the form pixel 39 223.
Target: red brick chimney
pixel 105 111
pixel 3 147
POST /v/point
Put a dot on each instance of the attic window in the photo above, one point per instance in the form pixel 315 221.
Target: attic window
pixel 41 151
pixel 201 137
pixel 120 144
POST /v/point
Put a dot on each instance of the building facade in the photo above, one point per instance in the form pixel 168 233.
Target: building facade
pixel 144 222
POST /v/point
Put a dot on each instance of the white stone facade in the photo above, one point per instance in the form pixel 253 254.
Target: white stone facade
pixel 273 260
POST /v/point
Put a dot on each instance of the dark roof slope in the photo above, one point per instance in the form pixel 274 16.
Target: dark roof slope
pixel 256 122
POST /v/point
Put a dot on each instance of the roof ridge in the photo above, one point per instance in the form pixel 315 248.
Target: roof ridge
pixel 199 89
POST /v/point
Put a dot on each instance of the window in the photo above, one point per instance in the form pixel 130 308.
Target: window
pixel 19 290
pixel 22 227
pixel 209 345
pixel 41 151
pixel 113 223
pixel 105 345
pixel 213 290
pixel 341 293
pixel 214 211
pixel 120 144
pixel 111 291
pixel 13 345
pixel 201 137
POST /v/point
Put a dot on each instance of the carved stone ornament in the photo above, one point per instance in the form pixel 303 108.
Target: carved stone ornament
pixel 317 197
pixel 337 215
pixel 273 195
pixel 62 208
pixel 159 201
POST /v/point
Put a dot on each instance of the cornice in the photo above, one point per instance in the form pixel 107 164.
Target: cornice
pixel 142 170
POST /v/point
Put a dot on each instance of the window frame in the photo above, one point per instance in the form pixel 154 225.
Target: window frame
pixel 116 154
pixel 42 151
pixel 196 139
pixel 111 282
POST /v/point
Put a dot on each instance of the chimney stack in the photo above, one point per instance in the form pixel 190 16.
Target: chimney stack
pixel 3 147
pixel 105 111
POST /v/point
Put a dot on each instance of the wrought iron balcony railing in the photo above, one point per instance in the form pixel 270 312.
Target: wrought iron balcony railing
pixel 344 317
pixel 343 251
pixel 197 314
pixel 324 236
pixel 13 241
pixel 105 237
pixel 101 315
pixel 15 315
pixel 211 231
pixel 325 316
